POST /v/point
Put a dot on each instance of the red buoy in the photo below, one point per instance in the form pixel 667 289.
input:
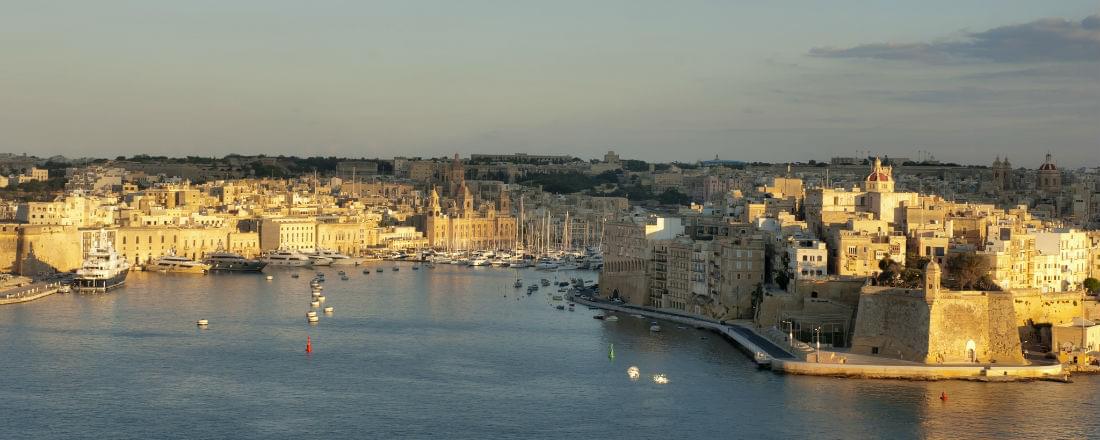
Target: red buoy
pixel 943 395
pixel 309 345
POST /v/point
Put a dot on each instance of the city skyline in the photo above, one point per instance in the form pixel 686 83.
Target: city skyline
pixel 382 79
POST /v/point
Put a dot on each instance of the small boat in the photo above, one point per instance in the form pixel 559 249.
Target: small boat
pixel 64 288
pixel 611 318
pixel 313 319
pixel 311 313
pixel 366 271
pixel 315 303
pixel 329 309
pixel 654 328
pixel 202 323
pixel 560 307
pixel 395 268
pixel 321 275
pixel 380 270
pixel 345 278
pixel 557 297
pixel 517 284
pixel 416 267
pixel 544 282
pixel 316 293
pixel 269 278
pixel 321 298
pixel 600 317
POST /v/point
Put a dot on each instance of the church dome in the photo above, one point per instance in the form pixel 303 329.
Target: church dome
pixel 1048 165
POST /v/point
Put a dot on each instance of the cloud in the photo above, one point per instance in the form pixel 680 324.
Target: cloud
pixel 1044 40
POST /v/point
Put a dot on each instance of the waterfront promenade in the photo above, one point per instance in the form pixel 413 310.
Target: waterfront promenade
pixel 30 292
pixel 762 351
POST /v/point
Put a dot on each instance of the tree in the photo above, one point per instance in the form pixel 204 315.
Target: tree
pixel 782 279
pixel 968 270
pixel 1092 285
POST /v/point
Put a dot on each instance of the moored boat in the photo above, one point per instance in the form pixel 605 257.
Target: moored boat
pixel 224 261
pixel 102 269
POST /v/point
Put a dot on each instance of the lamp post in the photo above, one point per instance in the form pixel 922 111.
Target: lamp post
pixel 817 332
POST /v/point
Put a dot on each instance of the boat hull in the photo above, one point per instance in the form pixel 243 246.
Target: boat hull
pixel 237 266
pixel 100 284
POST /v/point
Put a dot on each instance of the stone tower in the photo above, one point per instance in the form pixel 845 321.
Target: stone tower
pixel 932 277
pixel 998 183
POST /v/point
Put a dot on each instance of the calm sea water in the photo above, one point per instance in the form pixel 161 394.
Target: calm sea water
pixel 450 352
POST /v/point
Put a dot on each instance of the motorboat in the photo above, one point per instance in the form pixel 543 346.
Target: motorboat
pixel 233 262
pixel 286 258
pixel 546 264
pixel 611 318
pixel 544 282
pixel 337 258
pixel 654 328
pixel 317 260
pixel 479 261
pixel 202 322
pixel 171 263
pixel 329 309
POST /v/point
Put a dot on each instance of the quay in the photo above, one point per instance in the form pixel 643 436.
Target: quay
pixel 30 292
pixel 761 350
pixel 769 354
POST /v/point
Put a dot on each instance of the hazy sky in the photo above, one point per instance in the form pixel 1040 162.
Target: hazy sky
pixel 657 80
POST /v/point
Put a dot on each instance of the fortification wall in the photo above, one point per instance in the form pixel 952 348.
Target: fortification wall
pixel 892 323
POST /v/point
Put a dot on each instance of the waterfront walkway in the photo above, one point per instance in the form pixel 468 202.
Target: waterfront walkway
pixel 759 348
pixel 32 291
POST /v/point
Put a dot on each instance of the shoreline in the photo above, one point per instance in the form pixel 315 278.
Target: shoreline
pixel 49 289
pixel 791 364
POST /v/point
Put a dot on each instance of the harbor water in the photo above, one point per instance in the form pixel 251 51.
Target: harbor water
pixel 449 352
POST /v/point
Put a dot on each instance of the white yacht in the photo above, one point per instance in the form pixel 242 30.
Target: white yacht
pixel 546 263
pixel 102 269
pixel 337 258
pixel 286 258
pixel 176 264
pixel 318 260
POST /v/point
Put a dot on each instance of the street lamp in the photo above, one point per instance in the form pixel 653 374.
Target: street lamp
pixel 817 332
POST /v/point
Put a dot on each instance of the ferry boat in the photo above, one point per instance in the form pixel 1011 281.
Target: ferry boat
pixel 233 262
pixel 103 269
pixel 286 258
pixel 171 263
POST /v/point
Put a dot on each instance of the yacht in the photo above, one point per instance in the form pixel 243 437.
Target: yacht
pixel 176 264
pixel 317 260
pixel 285 258
pixel 102 269
pixel 546 263
pixel 233 262
pixel 337 258
pixel 479 261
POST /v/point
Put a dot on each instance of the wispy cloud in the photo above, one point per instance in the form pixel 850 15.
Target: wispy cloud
pixel 1044 40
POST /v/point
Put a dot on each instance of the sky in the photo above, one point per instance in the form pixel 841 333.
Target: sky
pixel 963 81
